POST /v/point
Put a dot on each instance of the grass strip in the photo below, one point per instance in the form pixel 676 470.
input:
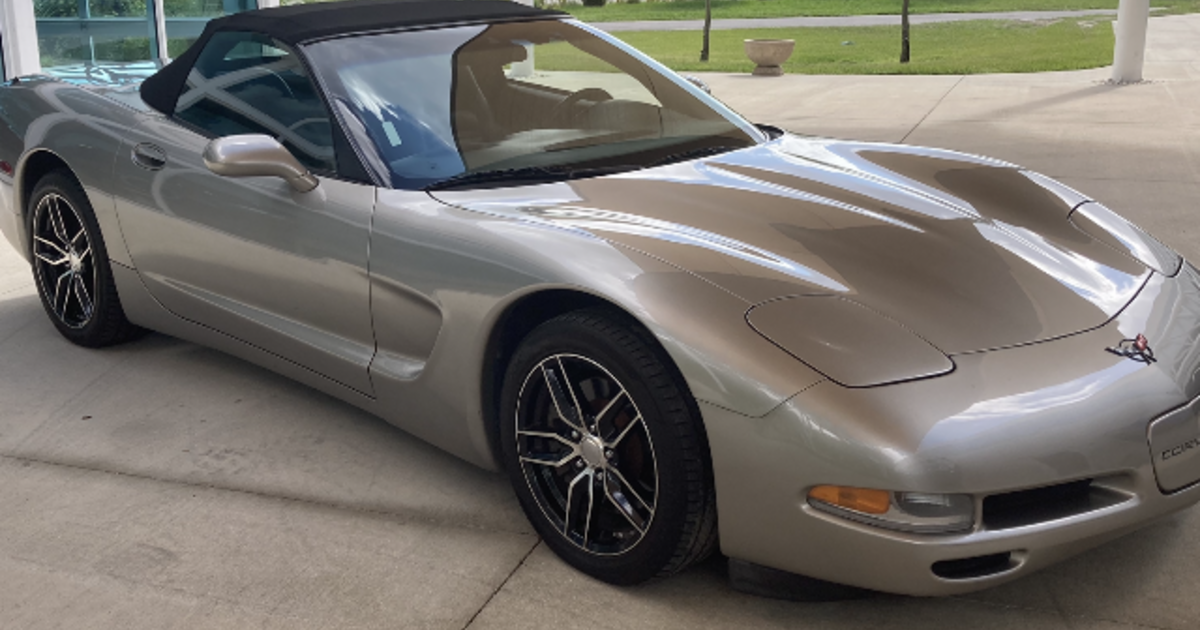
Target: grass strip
pixel 694 9
pixel 947 48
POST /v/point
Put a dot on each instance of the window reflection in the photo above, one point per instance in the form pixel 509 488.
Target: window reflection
pixel 248 83
pixel 185 19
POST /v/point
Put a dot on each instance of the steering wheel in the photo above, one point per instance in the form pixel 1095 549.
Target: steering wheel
pixel 563 108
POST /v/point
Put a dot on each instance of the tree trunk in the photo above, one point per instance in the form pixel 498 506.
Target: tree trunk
pixel 904 33
pixel 708 27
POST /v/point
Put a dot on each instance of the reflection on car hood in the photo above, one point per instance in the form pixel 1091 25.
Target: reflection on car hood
pixel 967 252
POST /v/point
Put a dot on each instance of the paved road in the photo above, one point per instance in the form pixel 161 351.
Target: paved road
pixel 852 20
pixel 162 485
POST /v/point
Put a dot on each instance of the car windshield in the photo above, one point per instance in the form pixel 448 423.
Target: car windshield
pixel 491 105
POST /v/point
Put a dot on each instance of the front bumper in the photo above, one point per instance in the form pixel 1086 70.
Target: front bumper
pixel 1003 421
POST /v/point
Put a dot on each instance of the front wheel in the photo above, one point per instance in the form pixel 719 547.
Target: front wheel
pixel 606 451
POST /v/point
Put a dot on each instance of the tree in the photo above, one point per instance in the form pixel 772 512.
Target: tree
pixel 708 27
pixel 904 33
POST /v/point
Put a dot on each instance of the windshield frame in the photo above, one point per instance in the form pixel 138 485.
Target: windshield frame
pixel 376 165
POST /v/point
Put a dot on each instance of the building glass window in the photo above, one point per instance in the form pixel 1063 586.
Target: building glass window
pixel 186 19
pixel 71 32
pixel 74 32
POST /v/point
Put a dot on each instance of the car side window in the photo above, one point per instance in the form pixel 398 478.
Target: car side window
pixel 249 83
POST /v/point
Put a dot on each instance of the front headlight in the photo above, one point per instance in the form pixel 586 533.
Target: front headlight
pixel 917 512
pixel 851 344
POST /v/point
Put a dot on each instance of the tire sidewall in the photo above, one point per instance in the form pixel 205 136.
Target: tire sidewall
pixel 645 560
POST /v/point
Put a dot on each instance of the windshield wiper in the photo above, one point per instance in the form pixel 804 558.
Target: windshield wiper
pixel 692 154
pixel 525 174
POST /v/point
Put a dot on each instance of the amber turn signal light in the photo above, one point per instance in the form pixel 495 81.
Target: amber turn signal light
pixel 857 499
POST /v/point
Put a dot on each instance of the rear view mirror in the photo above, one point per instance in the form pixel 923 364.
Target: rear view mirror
pixel 257 155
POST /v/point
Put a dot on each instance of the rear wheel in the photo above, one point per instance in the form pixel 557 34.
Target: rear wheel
pixel 606 451
pixel 70 265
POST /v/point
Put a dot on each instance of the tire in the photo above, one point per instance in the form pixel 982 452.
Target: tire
pixel 624 491
pixel 70 265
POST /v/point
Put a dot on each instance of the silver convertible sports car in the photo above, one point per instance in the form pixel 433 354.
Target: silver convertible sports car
pixel 512 235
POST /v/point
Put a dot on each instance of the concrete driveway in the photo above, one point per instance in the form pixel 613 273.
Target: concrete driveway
pixel 163 485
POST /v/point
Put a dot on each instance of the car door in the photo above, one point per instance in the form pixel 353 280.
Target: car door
pixel 251 257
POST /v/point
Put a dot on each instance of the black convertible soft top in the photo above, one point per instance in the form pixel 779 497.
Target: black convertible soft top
pixel 300 23
pixel 304 22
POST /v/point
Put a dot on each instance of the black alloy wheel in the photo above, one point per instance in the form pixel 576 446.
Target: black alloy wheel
pixel 70 265
pixel 606 451
pixel 64 259
pixel 594 474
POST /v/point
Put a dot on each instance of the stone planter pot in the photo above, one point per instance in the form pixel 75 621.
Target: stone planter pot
pixel 769 55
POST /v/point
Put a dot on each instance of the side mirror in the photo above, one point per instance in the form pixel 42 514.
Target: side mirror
pixel 257 155
pixel 696 81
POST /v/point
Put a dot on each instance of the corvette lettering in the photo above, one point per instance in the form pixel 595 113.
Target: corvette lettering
pixel 1181 449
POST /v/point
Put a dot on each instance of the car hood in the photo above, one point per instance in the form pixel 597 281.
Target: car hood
pixel 968 253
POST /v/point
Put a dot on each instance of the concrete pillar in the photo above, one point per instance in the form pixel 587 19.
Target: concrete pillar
pixel 524 68
pixel 156 17
pixel 1129 55
pixel 20 38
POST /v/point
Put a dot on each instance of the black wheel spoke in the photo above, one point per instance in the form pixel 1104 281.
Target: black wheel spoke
pixel 84 298
pixel 625 508
pixel 637 421
pixel 62 289
pixel 606 417
pixel 616 485
pixel 547 460
pixel 591 504
pixel 56 221
pixel 579 416
pixel 58 250
pixel 53 262
pixel 78 238
pixel 585 475
pixel 539 456
pixel 549 436
pixel 566 407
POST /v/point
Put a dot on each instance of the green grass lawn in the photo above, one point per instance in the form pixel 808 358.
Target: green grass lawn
pixel 946 48
pixel 694 9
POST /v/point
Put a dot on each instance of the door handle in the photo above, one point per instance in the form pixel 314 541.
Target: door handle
pixel 149 156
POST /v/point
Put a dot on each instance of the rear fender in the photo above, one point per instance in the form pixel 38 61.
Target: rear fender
pixel 90 164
